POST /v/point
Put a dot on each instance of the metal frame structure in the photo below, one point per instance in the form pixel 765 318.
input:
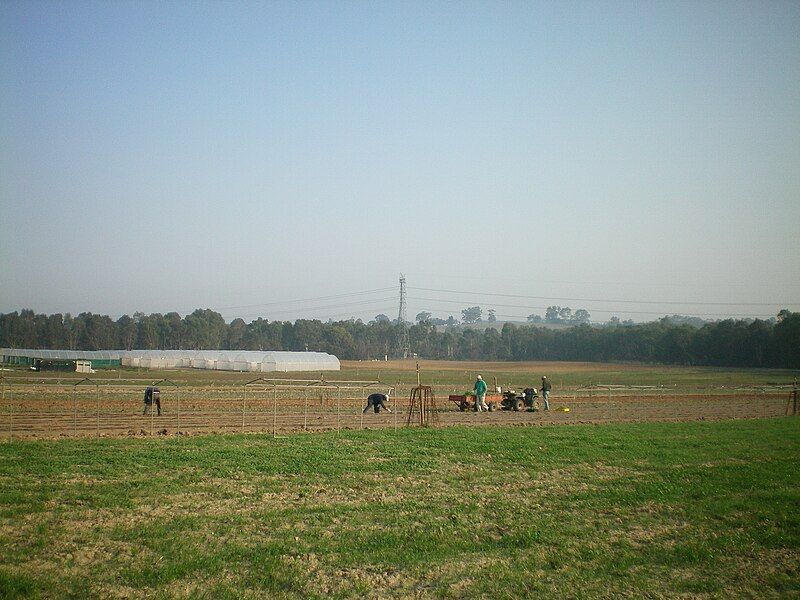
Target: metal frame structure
pixel 85 381
pixel 423 398
pixel 307 385
pixel 33 407
pixel 177 387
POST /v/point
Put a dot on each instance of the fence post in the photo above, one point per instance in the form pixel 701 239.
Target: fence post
pixel 397 408
pixel 3 392
pixel 794 399
pixel 10 415
pixel 338 409
pixel 274 411
pixel 305 409
pixel 152 416
pixel 74 413
pixel 361 426
pixel 244 407
pixel 49 425
pixel 178 409
pixel 97 394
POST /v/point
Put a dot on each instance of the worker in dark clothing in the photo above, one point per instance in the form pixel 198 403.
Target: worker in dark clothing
pixel 546 386
pixel 377 401
pixel 152 394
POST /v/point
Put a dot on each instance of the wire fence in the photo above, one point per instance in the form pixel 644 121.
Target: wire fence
pixel 112 408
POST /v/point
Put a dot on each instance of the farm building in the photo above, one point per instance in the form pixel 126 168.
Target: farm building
pixel 61 359
pixel 222 360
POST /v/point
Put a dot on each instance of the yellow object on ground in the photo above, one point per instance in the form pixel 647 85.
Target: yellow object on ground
pixel 563 409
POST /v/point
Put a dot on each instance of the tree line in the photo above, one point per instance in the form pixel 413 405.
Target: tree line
pixel 730 343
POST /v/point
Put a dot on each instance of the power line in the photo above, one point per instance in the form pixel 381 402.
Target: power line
pixel 348 314
pixel 743 284
pixel 313 308
pixel 375 291
pixel 560 298
pixel 633 312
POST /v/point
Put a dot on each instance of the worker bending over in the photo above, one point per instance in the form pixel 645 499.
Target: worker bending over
pixel 151 395
pixel 377 401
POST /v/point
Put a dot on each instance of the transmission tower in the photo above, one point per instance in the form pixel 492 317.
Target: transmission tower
pixel 401 319
pixel 401 316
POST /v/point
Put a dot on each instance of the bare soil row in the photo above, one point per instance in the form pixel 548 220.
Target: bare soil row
pixel 34 416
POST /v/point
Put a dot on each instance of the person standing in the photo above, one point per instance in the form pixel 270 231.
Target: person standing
pixel 546 387
pixel 480 395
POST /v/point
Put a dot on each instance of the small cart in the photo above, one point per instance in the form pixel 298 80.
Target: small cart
pixel 466 402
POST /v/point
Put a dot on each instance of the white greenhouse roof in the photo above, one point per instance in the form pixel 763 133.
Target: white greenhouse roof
pixel 224 360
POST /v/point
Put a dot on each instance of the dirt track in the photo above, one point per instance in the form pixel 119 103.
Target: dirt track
pixel 40 413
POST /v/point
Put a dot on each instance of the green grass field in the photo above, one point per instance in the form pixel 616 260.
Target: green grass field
pixel 656 510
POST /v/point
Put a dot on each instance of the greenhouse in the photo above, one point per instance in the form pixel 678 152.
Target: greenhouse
pixel 222 360
pixel 231 360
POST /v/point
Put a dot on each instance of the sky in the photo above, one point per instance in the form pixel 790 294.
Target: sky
pixel 290 159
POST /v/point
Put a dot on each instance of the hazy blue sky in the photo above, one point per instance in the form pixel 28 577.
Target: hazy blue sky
pixel 243 156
